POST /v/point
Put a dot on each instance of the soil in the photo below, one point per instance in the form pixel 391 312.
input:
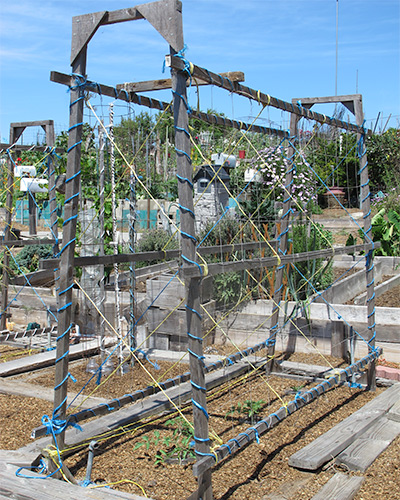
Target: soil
pixel 258 471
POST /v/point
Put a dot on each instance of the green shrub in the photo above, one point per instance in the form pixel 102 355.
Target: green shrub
pixel 155 240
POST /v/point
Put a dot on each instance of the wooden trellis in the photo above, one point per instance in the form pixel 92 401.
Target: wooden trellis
pixel 166 18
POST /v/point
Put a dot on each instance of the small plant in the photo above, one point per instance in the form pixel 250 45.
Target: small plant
pixel 176 447
pixel 248 409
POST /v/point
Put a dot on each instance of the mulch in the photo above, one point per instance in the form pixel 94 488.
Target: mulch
pixel 259 470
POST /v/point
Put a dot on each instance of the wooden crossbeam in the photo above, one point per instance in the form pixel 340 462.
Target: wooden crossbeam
pixel 166 83
pixel 19 147
pixel 156 255
pixel 149 102
pixel 224 267
pixel 252 433
pixel 264 99
pixel 24 243
pixel 116 404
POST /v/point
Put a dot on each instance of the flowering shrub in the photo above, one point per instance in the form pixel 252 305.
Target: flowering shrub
pixel 273 164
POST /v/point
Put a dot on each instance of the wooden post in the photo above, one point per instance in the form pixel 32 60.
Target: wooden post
pixel 369 262
pixel 282 239
pixel 50 141
pixel 7 236
pixel 72 190
pixel 339 344
pixel 32 213
pixel 188 245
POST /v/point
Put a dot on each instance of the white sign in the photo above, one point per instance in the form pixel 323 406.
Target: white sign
pixel 33 185
pixel 21 170
pixel 252 175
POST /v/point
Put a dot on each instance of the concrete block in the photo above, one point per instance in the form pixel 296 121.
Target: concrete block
pixel 388 372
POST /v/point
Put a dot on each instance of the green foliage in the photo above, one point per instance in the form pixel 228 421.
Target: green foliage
pixel 307 276
pixel 383 153
pixel 176 446
pixel 386 229
pixel 28 258
pixel 228 288
pixel 248 409
pixel 155 240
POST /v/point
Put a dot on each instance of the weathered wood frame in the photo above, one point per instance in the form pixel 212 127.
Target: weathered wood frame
pixel 16 130
pixel 84 27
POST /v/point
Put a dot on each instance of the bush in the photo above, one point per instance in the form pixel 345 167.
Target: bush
pixel 153 241
pixel 28 258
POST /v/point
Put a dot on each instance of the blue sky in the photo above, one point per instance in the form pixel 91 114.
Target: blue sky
pixel 286 48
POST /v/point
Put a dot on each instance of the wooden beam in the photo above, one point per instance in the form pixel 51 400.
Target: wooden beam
pixel 37 123
pixel 224 267
pixel 64 292
pixel 346 100
pixel 118 403
pixel 149 102
pixel 264 425
pixel 331 443
pixel 264 99
pixel 158 255
pixel 340 487
pixel 20 147
pixel 369 255
pixel 166 83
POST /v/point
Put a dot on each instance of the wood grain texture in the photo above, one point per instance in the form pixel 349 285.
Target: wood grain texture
pixel 340 487
pixel 329 445
pixel 363 452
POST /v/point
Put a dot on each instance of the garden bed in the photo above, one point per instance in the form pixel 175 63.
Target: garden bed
pixel 136 454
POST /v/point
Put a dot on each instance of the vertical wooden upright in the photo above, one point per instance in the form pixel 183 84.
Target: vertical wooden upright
pixel 7 235
pixel 282 238
pixel 72 190
pixel 188 248
pixel 369 260
pixel 50 142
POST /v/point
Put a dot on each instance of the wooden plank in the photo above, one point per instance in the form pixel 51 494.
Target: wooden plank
pixel 166 255
pixel 24 243
pixel 155 404
pixel 37 278
pixel 363 452
pixel 264 425
pixel 260 97
pixel 47 358
pixel 224 267
pixel 330 444
pixel 166 83
pixel 21 147
pixel 142 100
pixel 394 412
pixel 340 487
pixel 116 404
pixel 346 100
pixel 24 389
pixel 13 486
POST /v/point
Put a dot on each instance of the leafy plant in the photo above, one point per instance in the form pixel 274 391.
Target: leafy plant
pixel 28 258
pixel 386 229
pixel 178 446
pixel 155 240
pixel 305 277
pixel 248 409
pixel 228 288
